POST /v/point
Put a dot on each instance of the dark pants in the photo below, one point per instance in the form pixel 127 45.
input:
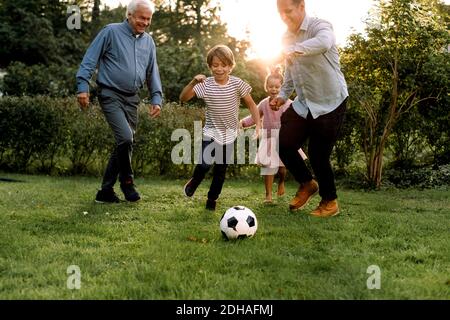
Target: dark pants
pixel 322 133
pixel 219 156
pixel 121 114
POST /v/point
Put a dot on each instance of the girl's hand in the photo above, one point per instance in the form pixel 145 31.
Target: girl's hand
pixel 257 131
pixel 276 103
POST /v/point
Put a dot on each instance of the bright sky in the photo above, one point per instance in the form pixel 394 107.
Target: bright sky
pixel 259 21
pixel 264 25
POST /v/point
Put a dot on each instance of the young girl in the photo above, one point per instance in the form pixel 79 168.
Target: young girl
pixel 267 155
pixel 222 94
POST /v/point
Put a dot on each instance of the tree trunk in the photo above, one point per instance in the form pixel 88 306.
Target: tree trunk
pixel 375 165
pixel 375 161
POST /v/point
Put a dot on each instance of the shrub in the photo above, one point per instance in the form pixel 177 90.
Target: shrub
pixel 153 145
pixel 90 139
pixel 53 80
pixel 30 128
pixel 422 177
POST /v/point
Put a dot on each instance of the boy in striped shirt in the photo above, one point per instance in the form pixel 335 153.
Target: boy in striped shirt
pixel 222 94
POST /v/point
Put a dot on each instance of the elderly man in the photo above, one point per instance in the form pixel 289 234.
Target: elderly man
pixel 317 113
pixel 126 58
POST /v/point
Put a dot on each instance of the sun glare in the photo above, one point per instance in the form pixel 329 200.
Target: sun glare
pixel 258 21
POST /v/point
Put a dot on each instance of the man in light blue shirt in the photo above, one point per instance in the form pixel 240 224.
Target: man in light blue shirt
pixel 317 112
pixel 125 56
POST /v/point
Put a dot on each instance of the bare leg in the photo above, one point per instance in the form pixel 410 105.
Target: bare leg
pixel 282 177
pixel 268 182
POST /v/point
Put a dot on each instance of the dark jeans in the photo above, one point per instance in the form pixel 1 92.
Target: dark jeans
pixel 121 114
pixel 219 156
pixel 322 133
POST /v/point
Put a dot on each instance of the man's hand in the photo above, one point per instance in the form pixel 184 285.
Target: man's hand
pixel 83 100
pixel 154 111
pixel 276 103
pixel 290 55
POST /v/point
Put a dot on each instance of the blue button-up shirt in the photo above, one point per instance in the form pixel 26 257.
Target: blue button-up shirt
pixel 315 74
pixel 125 61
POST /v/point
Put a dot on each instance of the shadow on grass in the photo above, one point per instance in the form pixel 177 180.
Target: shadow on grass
pixel 11 180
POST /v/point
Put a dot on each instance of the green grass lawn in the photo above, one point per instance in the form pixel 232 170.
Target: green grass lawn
pixel 169 247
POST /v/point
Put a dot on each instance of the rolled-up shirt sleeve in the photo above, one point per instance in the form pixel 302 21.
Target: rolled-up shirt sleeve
pixel 91 59
pixel 322 41
pixel 153 78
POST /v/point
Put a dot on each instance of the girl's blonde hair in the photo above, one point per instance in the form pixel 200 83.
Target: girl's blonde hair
pixel 274 73
pixel 223 53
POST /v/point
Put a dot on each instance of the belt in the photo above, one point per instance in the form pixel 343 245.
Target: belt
pixel 127 94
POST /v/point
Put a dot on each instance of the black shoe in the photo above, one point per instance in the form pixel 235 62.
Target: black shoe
pixel 106 196
pixel 190 187
pixel 211 204
pixel 129 191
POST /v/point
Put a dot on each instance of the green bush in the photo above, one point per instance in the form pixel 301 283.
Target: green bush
pixel 153 145
pixel 31 128
pixel 422 177
pixel 53 80
pixel 90 140
pixel 52 135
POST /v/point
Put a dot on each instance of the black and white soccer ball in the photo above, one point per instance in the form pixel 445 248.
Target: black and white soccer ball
pixel 238 222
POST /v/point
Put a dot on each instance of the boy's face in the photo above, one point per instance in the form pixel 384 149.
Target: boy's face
pixel 273 87
pixel 220 70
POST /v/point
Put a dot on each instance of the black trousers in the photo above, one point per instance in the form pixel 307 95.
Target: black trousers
pixel 121 113
pixel 322 134
pixel 219 156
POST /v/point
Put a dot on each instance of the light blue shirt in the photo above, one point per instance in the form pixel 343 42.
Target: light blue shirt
pixel 125 61
pixel 316 74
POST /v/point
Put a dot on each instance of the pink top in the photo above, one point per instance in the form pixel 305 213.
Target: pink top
pixel 270 118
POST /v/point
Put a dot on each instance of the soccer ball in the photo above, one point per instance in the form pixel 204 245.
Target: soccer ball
pixel 238 222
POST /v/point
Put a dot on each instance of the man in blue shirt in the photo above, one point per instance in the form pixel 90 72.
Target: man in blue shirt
pixel 317 113
pixel 126 58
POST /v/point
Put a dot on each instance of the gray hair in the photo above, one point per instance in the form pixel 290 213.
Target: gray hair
pixel 134 4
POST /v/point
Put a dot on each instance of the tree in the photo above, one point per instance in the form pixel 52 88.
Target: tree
pixel 190 22
pixel 35 32
pixel 184 30
pixel 385 66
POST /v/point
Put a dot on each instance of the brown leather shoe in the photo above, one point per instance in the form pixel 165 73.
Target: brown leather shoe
pixel 304 193
pixel 326 209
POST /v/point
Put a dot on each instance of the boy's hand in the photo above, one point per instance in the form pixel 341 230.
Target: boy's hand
pixel 241 124
pixel 199 78
pixel 276 103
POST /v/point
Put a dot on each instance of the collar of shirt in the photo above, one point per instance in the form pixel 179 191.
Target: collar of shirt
pixel 288 49
pixel 130 30
pixel 303 27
